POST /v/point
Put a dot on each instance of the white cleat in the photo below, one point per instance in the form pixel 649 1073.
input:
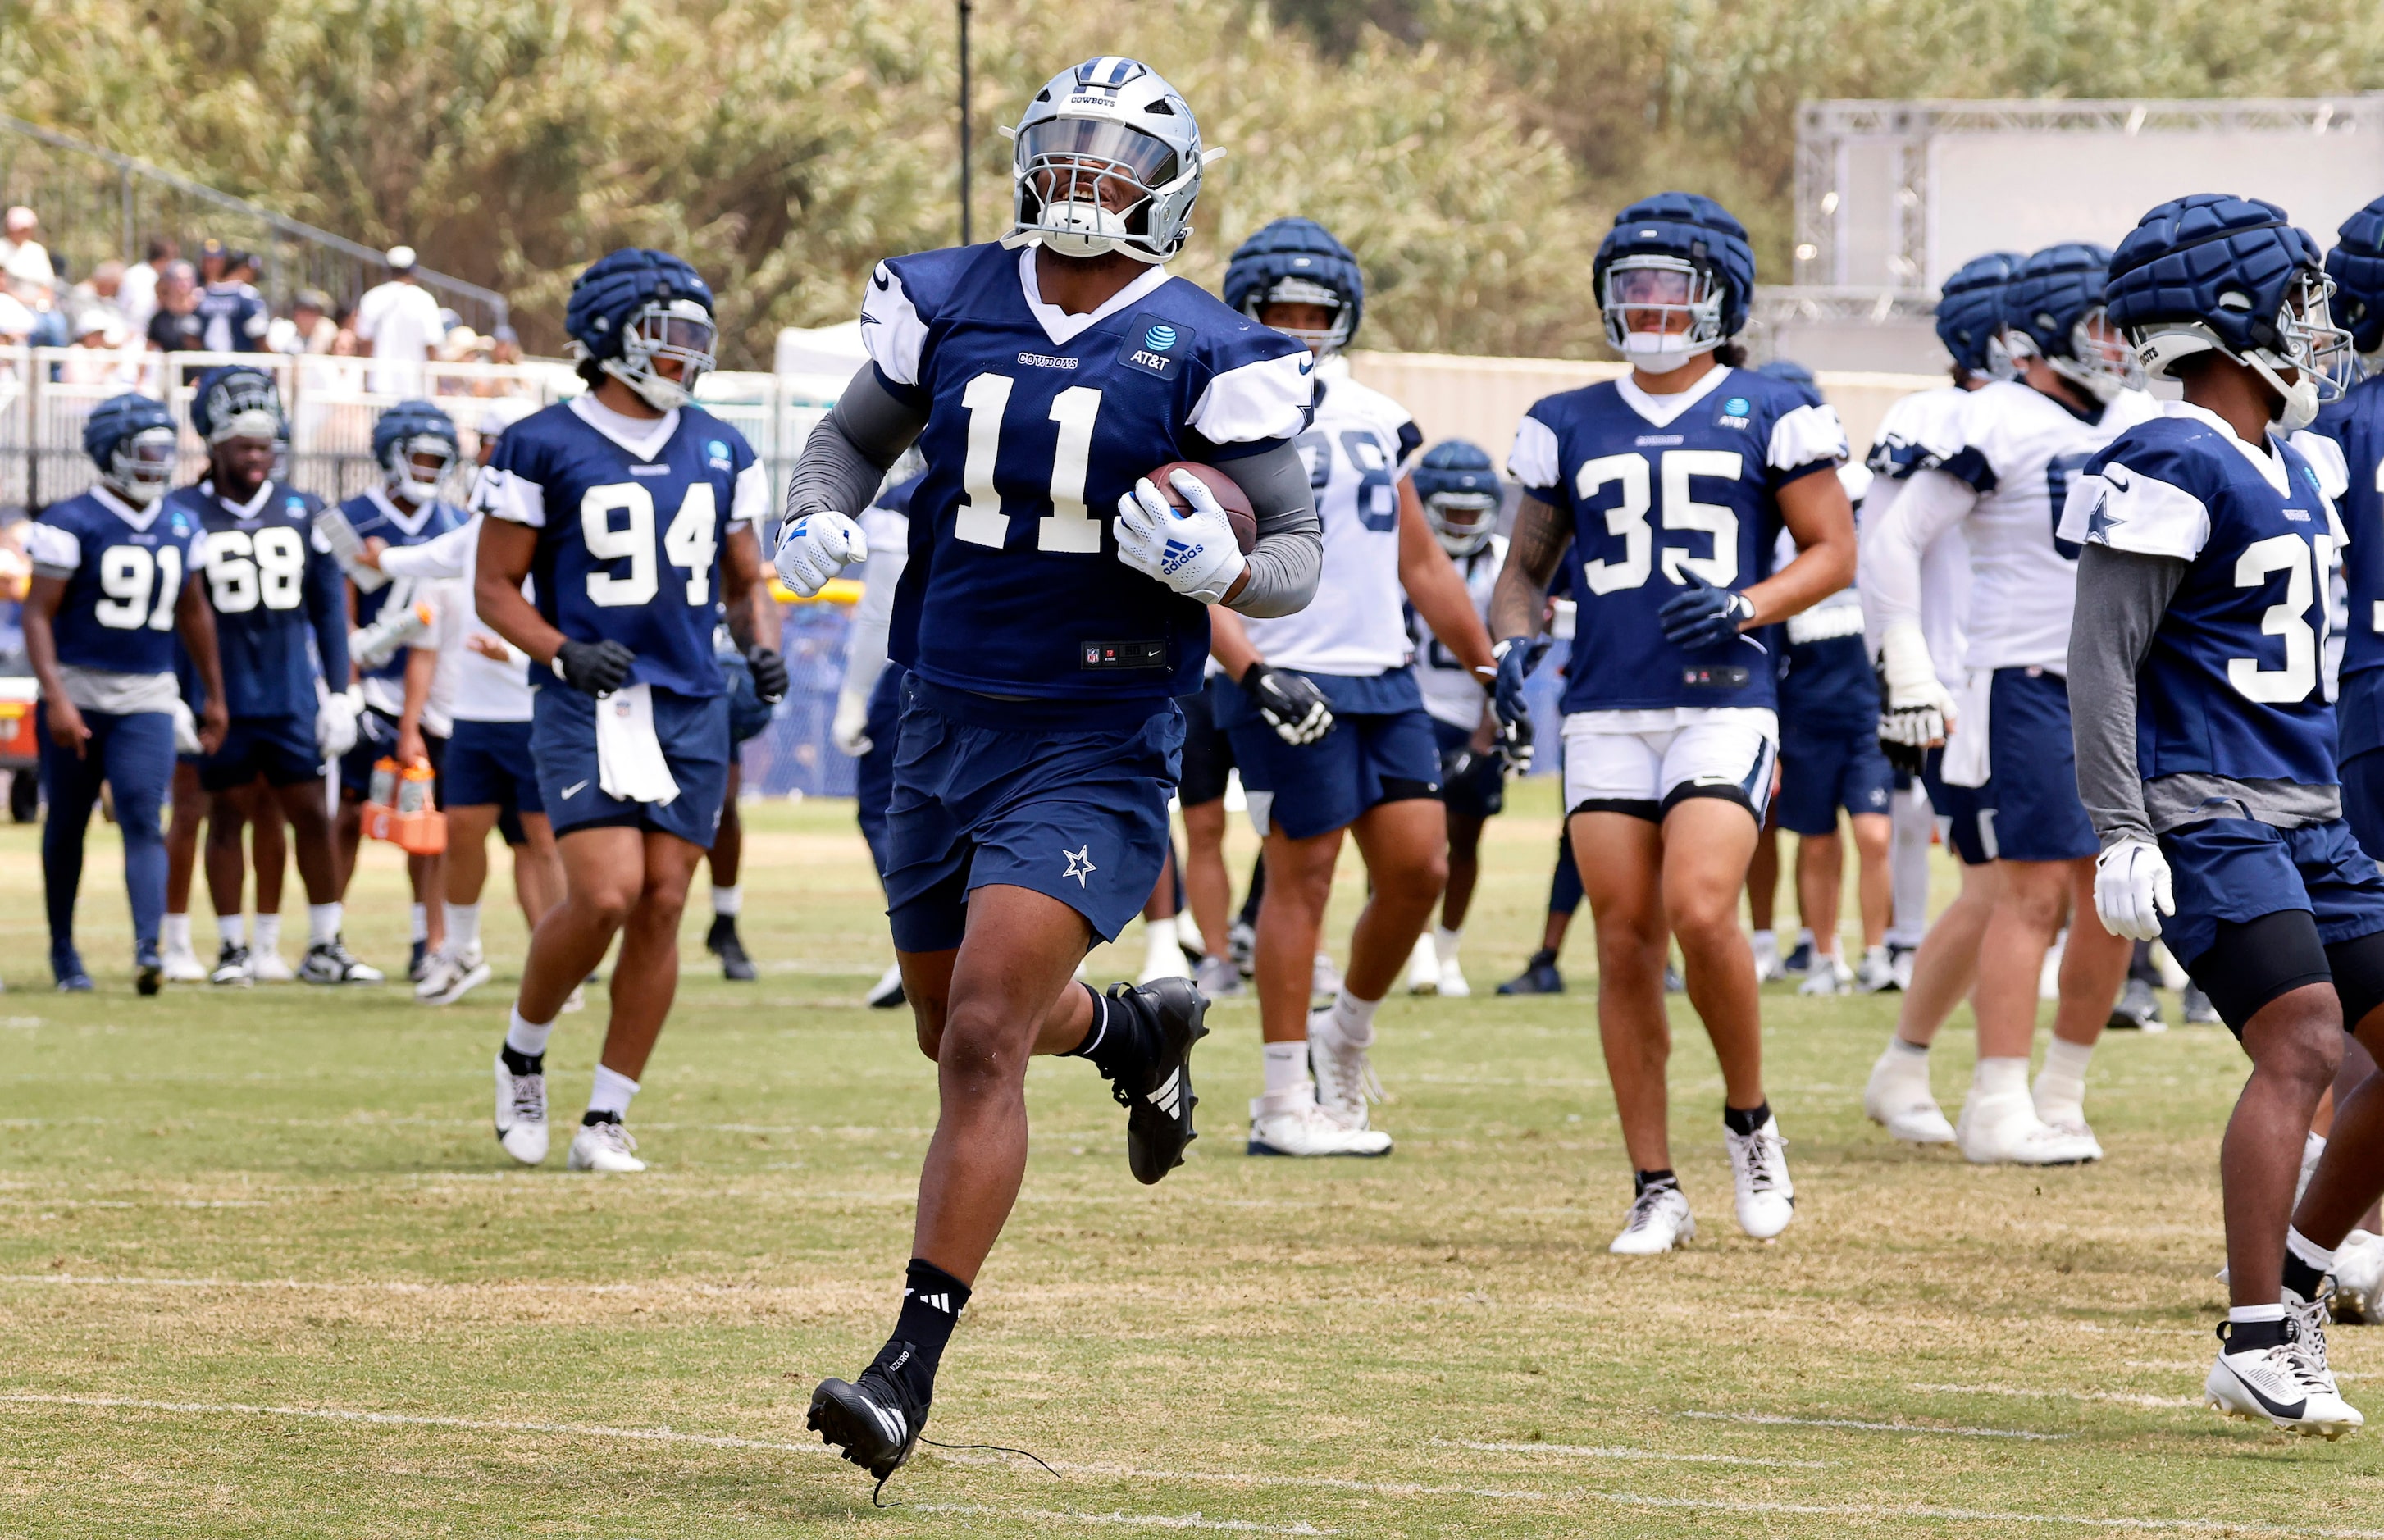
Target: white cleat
pixel 1423 967
pixel 604 1147
pixel 1875 971
pixel 1827 976
pixel 2070 1122
pixel 521 1115
pixel 1767 960
pixel 1659 1221
pixel 331 963
pixel 1900 959
pixel 1324 979
pixel 182 966
pixel 231 968
pixel 887 993
pixel 448 980
pixel 2359 1279
pixel 2289 1386
pixel 1758 1165
pixel 1295 1126
pixel 1452 981
pixel 1897 1097
pixel 2004 1130
pixel 576 1001
pixel 267 967
pixel 1345 1078
pixel 1216 977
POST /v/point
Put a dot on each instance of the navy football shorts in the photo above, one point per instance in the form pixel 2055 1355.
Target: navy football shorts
pixel 694 735
pixel 2362 798
pixel 873 773
pixel 282 748
pixel 1481 791
pixel 377 741
pixel 489 764
pixel 1381 749
pixel 2235 870
pixel 1821 771
pixel 1965 827
pixel 2029 803
pixel 1208 752
pixel 1008 792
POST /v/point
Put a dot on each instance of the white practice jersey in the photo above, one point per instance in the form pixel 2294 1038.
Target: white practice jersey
pixel 1356 451
pixel 483 688
pixel 1920 432
pixel 1452 692
pixel 2020 450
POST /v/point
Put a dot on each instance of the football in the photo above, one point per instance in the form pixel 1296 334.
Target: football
pixel 1230 496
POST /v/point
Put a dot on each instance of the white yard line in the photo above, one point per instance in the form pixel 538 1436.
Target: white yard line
pixel 1144 1521
pixel 2120 1398
pixel 1578 1451
pixel 1767 1419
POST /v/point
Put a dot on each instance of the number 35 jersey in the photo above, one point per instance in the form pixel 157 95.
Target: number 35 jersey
pixel 1037 422
pixel 630 513
pixel 270 586
pixel 124 568
pixel 1658 487
pixel 2231 686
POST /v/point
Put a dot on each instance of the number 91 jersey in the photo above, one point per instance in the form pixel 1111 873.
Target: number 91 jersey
pixel 2231 685
pixel 1658 487
pixel 630 514
pixel 124 568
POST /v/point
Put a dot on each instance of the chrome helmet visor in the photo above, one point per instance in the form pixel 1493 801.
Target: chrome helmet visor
pixel 680 332
pixel 1092 181
pixel 1662 308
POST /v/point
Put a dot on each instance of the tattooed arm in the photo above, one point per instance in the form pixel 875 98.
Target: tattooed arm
pixel 1517 603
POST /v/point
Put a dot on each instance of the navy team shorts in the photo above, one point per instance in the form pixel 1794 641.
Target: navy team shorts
pixel 1022 793
pixel 1481 790
pixel 1207 752
pixel 282 748
pixel 2313 900
pixel 2030 805
pixel 1966 829
pixel 694 735
pixel 873 773
pixel 489 764
pixel 1825 769
pixel 1381 749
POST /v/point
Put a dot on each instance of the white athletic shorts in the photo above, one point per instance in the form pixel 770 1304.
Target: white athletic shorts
pixel 1644 761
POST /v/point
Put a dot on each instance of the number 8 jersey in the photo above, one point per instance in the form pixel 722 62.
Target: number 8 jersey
pixel 1657 486
pixel 630 513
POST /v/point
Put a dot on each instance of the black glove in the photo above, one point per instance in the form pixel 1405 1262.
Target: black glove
pixel 769 674
pixel 1902 737
pixel 1293 706
pixel 594 667
pixel 1515 745
pixel 1457 764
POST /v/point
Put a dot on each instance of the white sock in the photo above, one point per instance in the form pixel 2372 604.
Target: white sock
pixel 463 927
pixel 1159 935
pixel 1444 943
pixel 1914 1051
pixel 421 920
pixel 1354 1018
pixel 176 932
pixel 2248 1315
pixel 612 1092
pixel 1287 1067
pixel 728 900
pixel 2000 1078
pixel 322 922
pixel 268 932
pixel 527 1036
pixel 1804 937
pixel 2062 1082
pixel 2308 1250
pixel 234 929
pixel 1767 939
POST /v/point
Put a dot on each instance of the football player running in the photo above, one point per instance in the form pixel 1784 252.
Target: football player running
pixel 2020 443
pixel 1461 495
pixel 636 508
pixel 1329 727
pixel 272 586
pixel 1670 735
pixel 1042 378
pixel 106 602
pixel 1921 432
pixel 2205 747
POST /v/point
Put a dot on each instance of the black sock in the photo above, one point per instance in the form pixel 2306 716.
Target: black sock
pixel 1744 1123
pixel 521 1063
pixel 1121 1039
pixel 1641 1180
pixel 2301 1278
pixel 1541 959
pixel 2254 1337
pixel 590 1118
pixel 931 1307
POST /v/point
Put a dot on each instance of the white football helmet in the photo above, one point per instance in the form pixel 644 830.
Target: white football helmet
pixel 1107 158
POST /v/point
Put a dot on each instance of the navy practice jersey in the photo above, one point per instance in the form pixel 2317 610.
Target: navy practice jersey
pixel 1656 488
pixel 630 516
pixel 2231 686
pixel 124 568
pixel 233 318
pixel 1037 423
pixel 270 585
pixel 374 515
pixel 2356 425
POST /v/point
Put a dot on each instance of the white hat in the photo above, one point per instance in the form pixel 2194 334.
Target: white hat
pixel 401 257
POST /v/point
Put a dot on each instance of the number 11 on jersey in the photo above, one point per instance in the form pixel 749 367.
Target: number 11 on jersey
pixel 1070 526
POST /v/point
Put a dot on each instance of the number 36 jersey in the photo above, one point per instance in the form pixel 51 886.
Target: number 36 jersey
pixel 2231 686
pixel 1037 422
pixel 1658 487
pixel 124 568
pixel 630 513
pixel 270 586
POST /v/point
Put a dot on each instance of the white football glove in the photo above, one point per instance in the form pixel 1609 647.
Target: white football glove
pixel 2131 889
pixel 1194 553
pixel 814 548
pixel 186 729
pixel 335 724
pixel 850 730
pixel 1919 709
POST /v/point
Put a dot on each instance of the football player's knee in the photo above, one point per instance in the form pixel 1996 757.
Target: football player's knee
pixel 978 1051
pixel 928 1023
pixel 2038 905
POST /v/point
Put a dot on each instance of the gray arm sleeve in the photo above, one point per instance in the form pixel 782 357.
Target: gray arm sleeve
pixel 845 458
pixel 1289 555
pixel 2121 597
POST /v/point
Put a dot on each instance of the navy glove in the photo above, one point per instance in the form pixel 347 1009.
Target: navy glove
pixel 596 667
pixel 769 674
pixel 1702 615
pixel 1293 706
pixel 1517 657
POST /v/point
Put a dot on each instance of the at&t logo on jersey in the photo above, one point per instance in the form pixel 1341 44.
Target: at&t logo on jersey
pixel 717 454
pixel 1152 345
pixel 1735 412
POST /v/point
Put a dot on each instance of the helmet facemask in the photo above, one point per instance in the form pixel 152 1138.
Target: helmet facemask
pixel 409 476
pixel 245 406
pixel 2100 360
pixel 680 329
pixel 1306 291
pixel 1086 187
pixel 1464 522
pixel 2312 348
pixel 142 465
pixel 1661 311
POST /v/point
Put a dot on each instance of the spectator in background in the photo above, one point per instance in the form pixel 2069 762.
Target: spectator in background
pixel 308 329
pixel 504 345
pixel 98 356
pixel 232 317
pixel 175 326
pixel 138 296
pixel 104 291
pixel 398 324
pixel 211 260
pixel 24 240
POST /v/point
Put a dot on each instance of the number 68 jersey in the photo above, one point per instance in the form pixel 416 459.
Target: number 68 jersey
pixel 630 513
pixel 1656 488
pixel 2231 686
pixel 270 586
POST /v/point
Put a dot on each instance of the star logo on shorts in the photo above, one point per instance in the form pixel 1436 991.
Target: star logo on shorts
pixel 1080 863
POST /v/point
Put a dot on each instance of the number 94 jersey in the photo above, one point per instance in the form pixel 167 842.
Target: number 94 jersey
pixel 1658 487
pixel 630 514
pixel 2231 686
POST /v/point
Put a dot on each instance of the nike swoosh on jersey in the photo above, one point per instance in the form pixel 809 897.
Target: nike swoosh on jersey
pixel 574 789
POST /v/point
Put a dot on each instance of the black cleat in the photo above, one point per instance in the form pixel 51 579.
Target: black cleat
pixel 866 1423
pixel 72 976
pixel 1539 977
pixel 723 943
pixel 148 968
pixel 1159 1109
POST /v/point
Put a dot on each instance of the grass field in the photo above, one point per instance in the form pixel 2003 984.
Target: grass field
pixel 263 1271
